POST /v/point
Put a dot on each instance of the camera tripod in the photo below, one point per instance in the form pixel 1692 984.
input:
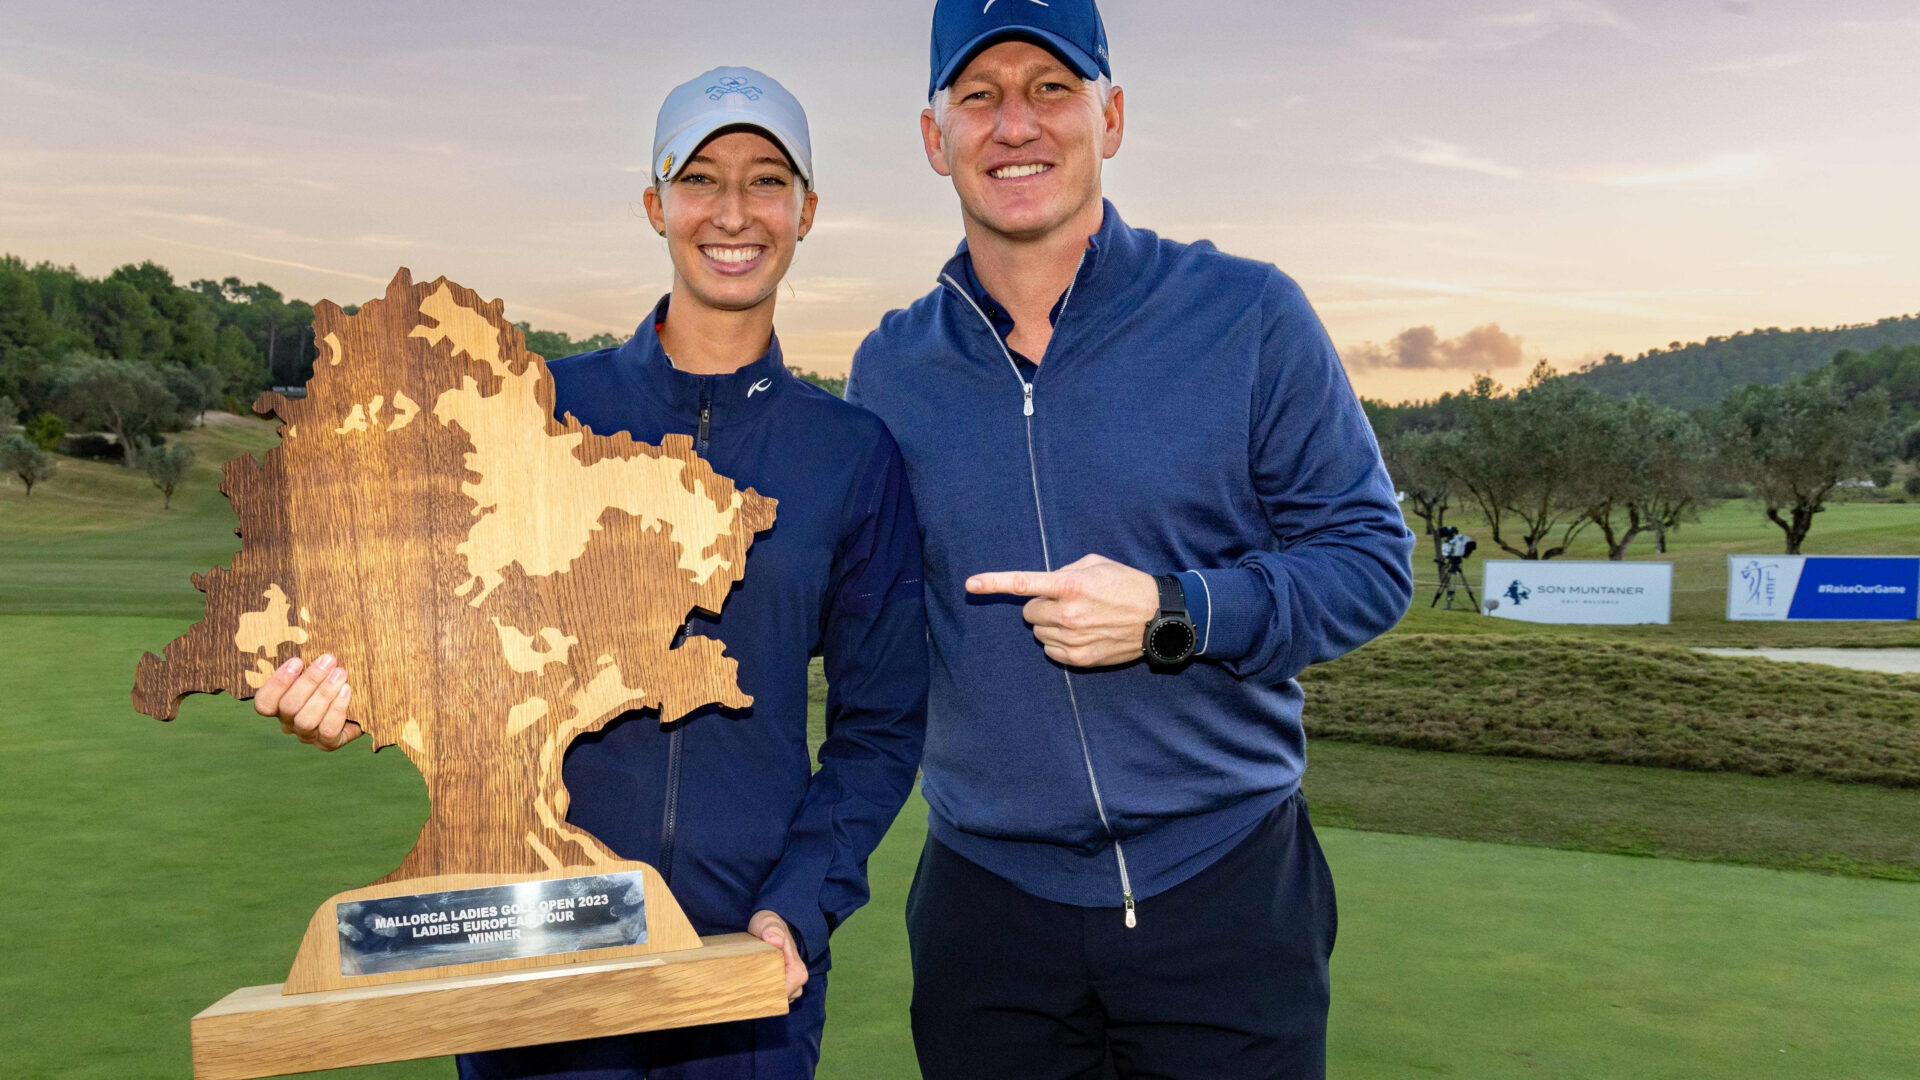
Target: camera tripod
pixel 1453 575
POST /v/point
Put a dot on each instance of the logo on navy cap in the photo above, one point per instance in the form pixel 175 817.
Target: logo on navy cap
pixel 1070 29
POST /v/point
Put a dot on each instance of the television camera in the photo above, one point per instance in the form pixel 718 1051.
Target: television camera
pixel 1455 548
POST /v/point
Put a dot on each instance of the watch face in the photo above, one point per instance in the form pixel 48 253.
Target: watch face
pixel 1173 640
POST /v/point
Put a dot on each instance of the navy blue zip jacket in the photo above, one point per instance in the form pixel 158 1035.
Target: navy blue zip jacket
pixel 1190 415
pixel 723 802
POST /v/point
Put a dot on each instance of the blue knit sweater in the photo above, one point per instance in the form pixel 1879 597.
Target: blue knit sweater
pixel 1190 414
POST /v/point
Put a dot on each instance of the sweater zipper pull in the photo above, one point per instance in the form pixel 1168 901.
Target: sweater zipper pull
pixel 1026 391
pixel 1127 900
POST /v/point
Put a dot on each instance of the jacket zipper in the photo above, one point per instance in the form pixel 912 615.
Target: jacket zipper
pixel 1046 556
pixel 673 738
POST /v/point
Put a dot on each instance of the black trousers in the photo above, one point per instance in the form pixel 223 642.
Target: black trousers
pixel 1224 977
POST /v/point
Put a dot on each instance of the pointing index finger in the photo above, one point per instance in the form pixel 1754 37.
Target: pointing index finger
pixel 1015 583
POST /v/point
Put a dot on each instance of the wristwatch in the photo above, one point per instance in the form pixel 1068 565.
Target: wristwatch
pixel 1170 635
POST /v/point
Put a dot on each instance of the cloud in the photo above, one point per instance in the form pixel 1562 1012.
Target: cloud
pixel 1737 7
pixel 1776 62
pixel 349 274
pixel 1446 155
pixel 381 240
pixel 1881 26
pixel 832 290
pixel 1620 302
pixel 1403 45
pixel 269 233
pixel 27 84
pixel 1448 230
pixel 175 76
pixel 1440 154
pixel 1552 16
pixel 271 261
pixel 1421 348
pixel 1508 30
pixel 1820 260
pixel 1724 167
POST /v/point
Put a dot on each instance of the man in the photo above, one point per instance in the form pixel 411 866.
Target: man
pixel 1149 451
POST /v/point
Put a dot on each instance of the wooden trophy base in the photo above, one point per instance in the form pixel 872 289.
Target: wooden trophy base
pixel 332 1013
pixel 259 1031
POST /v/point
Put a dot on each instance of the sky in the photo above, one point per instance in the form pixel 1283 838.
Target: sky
pixel 1460 186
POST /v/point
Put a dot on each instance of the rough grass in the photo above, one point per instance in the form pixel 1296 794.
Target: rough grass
pixel 101 496
pixel 95 540
pixel 1855 830
pixel 1620 703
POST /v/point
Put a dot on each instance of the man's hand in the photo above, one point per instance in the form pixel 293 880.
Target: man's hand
pixel 772 929
pixel 1091 614
pixel 311 704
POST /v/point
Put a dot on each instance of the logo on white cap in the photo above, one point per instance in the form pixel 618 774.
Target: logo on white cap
pixel 733 84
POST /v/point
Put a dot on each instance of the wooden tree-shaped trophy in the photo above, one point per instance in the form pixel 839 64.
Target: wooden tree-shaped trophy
pixel 498 582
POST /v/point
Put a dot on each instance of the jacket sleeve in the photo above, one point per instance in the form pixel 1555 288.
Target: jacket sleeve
pixel 1338 572
pixel 874 641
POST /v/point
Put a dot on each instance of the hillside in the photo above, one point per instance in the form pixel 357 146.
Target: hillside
pixel 1699 375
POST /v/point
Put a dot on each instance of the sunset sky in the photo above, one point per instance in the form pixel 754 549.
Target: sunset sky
pixel 1588 176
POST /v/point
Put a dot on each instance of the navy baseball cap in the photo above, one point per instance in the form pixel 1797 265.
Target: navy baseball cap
pixel 1070 29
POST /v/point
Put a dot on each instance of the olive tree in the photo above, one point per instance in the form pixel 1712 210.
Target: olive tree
pixel 22 458
pixel 1523 459
pixel 125 399
pixel 1417 461
pixel 1647 469
pixel 166 465
pixel 1795 443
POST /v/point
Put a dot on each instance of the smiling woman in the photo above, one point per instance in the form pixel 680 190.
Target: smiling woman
pixel 725 802
pixel 732 216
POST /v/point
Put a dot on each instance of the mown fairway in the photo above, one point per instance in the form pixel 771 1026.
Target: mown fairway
pixel 167 865
pixel 160 866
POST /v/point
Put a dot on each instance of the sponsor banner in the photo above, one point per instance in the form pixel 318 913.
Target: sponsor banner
pixel 1579 593
pixel 1850 588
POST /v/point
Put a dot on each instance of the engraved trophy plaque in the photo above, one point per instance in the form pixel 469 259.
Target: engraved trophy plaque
pixel 498 582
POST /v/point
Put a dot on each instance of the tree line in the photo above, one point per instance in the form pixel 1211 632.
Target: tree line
pixel 1701 374
pixel 1557 457
pixel 109 366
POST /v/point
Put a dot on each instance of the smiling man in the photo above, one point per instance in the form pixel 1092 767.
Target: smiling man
pixel 1149 499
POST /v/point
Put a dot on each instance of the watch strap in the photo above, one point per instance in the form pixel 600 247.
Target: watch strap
pixel 1173 596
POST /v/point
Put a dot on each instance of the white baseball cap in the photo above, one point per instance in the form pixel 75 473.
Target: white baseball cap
pixel 722 98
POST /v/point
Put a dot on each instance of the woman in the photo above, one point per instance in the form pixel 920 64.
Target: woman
pixel 723 802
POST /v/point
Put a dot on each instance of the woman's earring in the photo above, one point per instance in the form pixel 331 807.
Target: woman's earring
pixel 662 232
